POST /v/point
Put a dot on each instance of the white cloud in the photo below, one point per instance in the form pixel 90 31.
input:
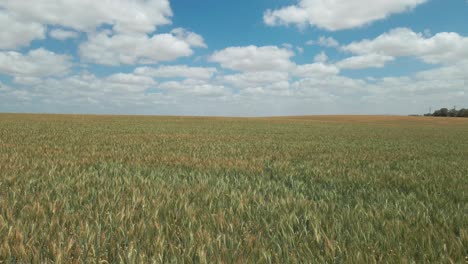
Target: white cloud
pixel 17 32
pixel 129 82
pixel 191 38
pixel 445 47
pixel 329 88
pixel 324 42
pixel 208 90
pixel 457 71
pixel 27 20
pixel 316 70
pixel 253 58
pixel 107 49
pixel 129 78
pixel 81 87
pixel 36 63
pixel 119 93
pixel 194 87
pixel 338 14
pixel 264 94
pixel 27 80
pixel 177 71
pixel 126 16
pixel 255 79
pixel 437 87
pixel 364 61
pixel 61 34
pixel 321 57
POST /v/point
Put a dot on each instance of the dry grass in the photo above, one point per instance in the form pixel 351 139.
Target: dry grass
pixel 325 189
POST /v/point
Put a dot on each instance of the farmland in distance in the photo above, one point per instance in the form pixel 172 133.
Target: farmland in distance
pixel 321 189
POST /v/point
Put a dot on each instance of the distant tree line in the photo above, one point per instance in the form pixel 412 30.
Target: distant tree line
pixel 450 113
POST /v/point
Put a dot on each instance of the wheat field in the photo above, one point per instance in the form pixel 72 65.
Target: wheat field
pixel 323 189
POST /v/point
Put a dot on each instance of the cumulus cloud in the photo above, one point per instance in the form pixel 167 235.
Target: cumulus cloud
pixel 337 15
pixel 85 93
pixel 175 71
pixel 36 63
pixel 28 20
pixel 191 38
pixel 125 16
pixel 62 34
pixel 255 79
pixel 364 61
pixel 130 79
pixel 457 71
pixel 127 82
pixel 330 88
pixel 321 57
pixel 253 58
pixel 194 87
pixel 444 47
pixel 437 87
pixel 105 48
pixel 18 32
pixel 317 70
pixel 249 93
pixel 324 42
pixel 128 39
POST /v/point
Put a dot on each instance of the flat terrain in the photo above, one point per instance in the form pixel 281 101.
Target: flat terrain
pixel 323 189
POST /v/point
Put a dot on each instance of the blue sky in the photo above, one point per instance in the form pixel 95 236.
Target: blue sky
pixel 235 58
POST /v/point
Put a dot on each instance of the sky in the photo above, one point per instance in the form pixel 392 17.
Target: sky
pixel 233 58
